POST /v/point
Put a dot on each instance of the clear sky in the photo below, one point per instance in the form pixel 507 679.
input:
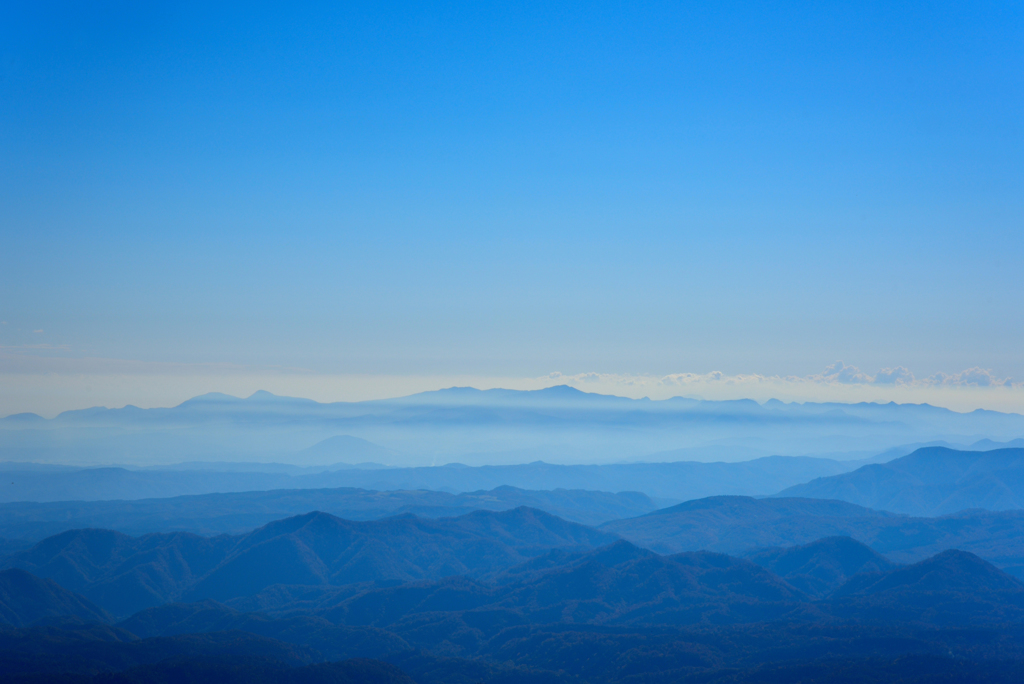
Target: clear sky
pixel 348 195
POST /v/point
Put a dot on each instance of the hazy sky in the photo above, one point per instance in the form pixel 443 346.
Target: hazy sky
pixel 485 192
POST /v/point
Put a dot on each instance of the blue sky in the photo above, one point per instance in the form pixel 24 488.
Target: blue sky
pixel 452 191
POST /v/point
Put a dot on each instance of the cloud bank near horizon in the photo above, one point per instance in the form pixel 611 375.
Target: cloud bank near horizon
pixel 966 390
pixel 837 374
pixel 49 385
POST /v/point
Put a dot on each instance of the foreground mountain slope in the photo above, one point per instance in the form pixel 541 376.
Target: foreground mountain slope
pixel 930 481
pixel 26 599
pixel 822 566
pixel 258 671
pixel 950 588
pixel 121 573
pixel 331 641
pixel 91 649
pixel 618 614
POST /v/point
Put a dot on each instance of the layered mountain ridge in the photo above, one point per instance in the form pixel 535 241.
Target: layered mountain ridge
pixel 485 426
pixel 928 482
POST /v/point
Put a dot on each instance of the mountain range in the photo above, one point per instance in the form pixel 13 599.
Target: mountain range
pixel 742 525
pixel 613 584
pixel 513 596
pixel 485 426
pixel 125 574
pixel 669 482
pixel 239 512
pixel 437 587
pixel 821 567
pixel 665 483
pixel 930 481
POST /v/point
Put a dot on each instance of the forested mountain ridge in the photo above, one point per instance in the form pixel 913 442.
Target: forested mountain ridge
pixel 125 574
pixel 240 512
pixel 613 614
pixel 821 567
pixel 26 599
pixel 930 481
pixel 741 525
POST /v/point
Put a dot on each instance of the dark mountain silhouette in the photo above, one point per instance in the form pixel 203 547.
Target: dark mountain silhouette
pixel 950 588
pixel 235 513
pixel 258 671
pixel 26 599
pixel 126 574
pixel 635 586
pixel 94 655
pixel 819 568
pixel 30 654
pixel 627 587
pixel 527 655
pixel 614 615
pixel 930 481
pixel 331 641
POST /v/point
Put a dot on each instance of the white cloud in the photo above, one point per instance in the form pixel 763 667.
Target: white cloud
pixel 837 373
pixel 966 390
pixel 894 376
pixel 972 377
pixel 841 373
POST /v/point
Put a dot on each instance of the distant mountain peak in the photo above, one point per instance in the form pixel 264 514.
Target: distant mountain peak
pixel 930 481
pixel 823 565
pixel 27 418
pixel 210 398
pixel 952 570
pixel 617 553
pixel 261 394
pixel 566 390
